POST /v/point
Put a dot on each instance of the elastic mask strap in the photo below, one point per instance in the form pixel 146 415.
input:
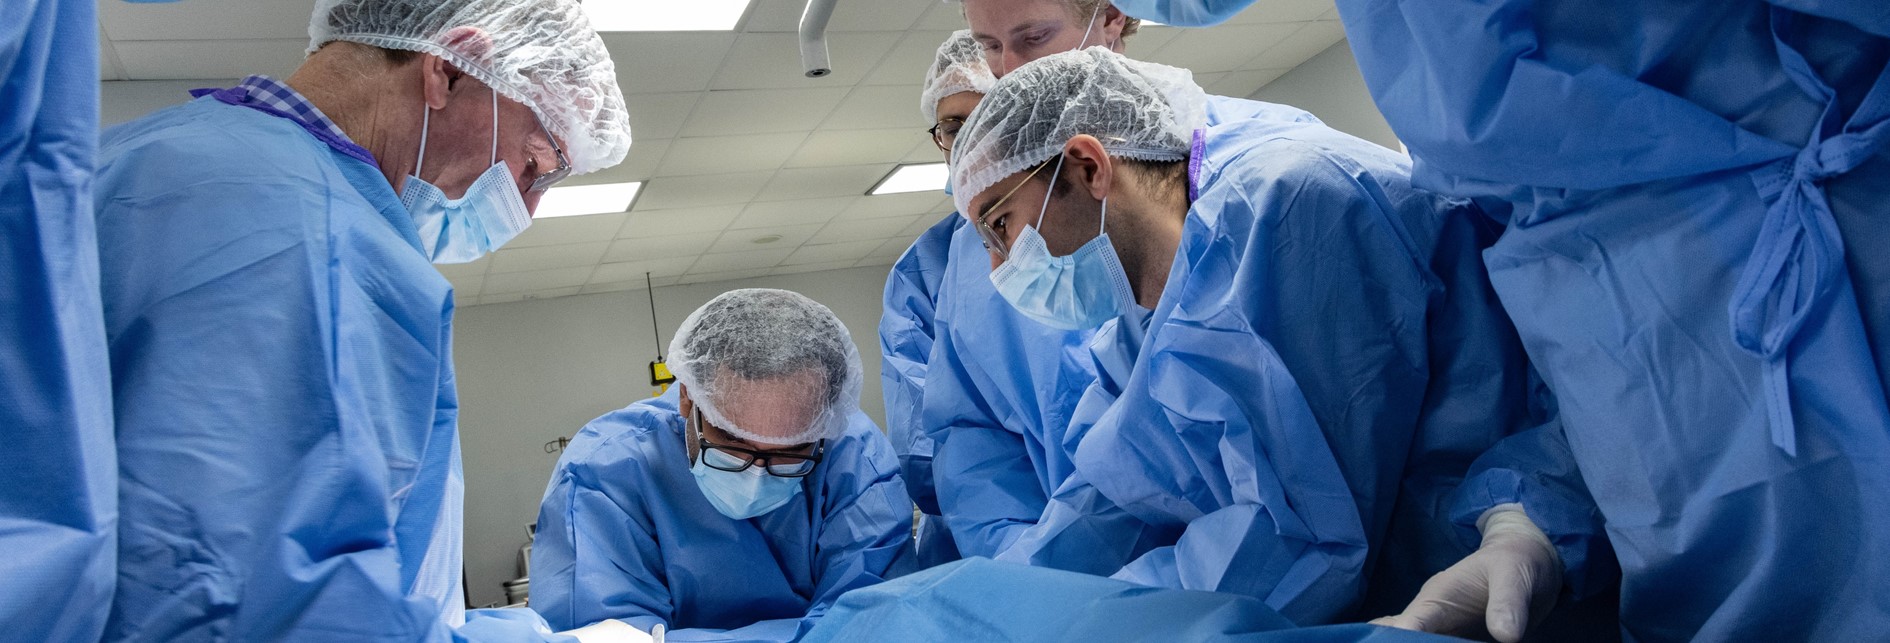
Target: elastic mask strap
pixel 495 127
pixel 1046 193
pixel 1092 26
pixel 426 114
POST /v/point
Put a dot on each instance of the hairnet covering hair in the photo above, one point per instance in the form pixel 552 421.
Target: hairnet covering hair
pixel 959 67
pixel 748 341
pixel 1138 110
pixel 542 53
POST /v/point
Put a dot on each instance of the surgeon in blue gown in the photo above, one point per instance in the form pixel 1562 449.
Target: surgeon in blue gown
pixel 738 506
pixel 1697 261
pixel 1000 387
pixel 58 468
pixel 1250 434
pixel 280 341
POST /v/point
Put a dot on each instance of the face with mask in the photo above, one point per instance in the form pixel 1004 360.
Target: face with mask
pixel 1055 262
pixel 743 478
pixel 481 165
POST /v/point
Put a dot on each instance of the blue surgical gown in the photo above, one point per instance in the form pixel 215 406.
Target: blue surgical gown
pixel 1000 389
pixel 625 533
pixel 1698 264
pixel 1324 338
pixel 59 508
pixel 991 602
pixel 283 384
pixel 906 332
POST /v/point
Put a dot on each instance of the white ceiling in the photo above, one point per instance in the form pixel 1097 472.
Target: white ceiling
pixel 736 147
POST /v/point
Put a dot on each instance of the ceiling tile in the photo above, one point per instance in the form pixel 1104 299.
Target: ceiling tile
pixel 1149 40
pixel 827 148
pixel 640 165
pixel 191 59
pixel 739 261
pixel 467 287
pixel 763 111
pixel 812 267
pixel 848 252
pixel 207 20
pixel 879 107
pixel 773 60
pixel 464 270
pixel 552 293
pixel 946 16
pixel 1315 37
pixel 727 154
pixel 723 276
pixel 1241 84
pixel 781 213
pixel 645 248
pixel 1282 11
pixel 670 192
pixel 872 262
pixel 656 223
pixel 1330 14
pixel 547 257
pixel 463 300
pixel 1222 48
pixel 622 286
pixel 896 205
pixel 562 230
pixel 634 270
pixel 657 116
pixel 108 67
pixel 873 15
pixel 918 226
pixel 501 299
pixel 649 62
pixel 908 60
pixel 517 282
pixel 891 249
pixel 745 240
pixel 814 182
pixel 864 229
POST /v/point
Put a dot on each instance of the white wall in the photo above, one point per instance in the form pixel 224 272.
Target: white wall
pixel 1330 87
pixel 533 371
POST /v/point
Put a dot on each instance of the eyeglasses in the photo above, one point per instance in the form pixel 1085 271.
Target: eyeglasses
pixel 735 459
pixel 993 240
pixel 945 131
pixel 563 171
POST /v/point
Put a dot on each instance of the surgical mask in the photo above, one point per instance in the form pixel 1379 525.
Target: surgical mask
pixel 462 230
pixel 1076 292
pixel 741 494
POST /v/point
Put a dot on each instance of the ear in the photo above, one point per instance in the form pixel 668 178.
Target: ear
pixel 437 78
pixel 1114 21
pixel 684 404
pixel 1087 166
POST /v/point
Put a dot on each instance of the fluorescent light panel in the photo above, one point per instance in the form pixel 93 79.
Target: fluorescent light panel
pixel 665 15
pixel 913 178
pixel 579 200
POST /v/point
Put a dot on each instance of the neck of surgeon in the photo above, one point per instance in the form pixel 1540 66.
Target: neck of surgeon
pixel 374 98
pixel 1147 206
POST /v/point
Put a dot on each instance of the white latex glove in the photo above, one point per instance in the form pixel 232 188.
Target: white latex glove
pixel 612 631
pixel 1510 582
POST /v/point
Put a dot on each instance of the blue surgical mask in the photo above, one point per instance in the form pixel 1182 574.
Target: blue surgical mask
pixel 462 230
pixel 742 494
pixel 1077 292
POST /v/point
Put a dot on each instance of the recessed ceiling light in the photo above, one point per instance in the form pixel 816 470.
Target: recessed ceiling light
pixel 913 178
pixel 665 15
pixel 579 200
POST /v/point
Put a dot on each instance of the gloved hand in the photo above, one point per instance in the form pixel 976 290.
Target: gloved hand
pixel 1510 582
pixel 613 631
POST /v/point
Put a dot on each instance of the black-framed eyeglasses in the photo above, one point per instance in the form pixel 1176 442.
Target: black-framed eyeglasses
pixel 560 173
pixel 945 131
pixel 734 459
pixel 993 240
